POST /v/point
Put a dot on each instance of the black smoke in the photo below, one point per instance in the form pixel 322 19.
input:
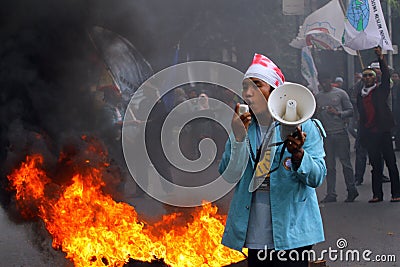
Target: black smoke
pixel 47 71
pixel 48 65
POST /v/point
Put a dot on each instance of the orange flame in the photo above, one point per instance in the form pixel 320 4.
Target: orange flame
pixel 94 230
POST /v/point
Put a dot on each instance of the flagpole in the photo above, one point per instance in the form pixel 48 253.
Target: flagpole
pixel 357 51
pixel 360 58
pixel 389 19
pixel 342 6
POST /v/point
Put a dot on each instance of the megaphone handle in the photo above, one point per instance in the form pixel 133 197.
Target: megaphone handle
pixel 295 134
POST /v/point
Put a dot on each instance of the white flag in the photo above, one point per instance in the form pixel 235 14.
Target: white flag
pixel 308 70
pixel 323 29
pixel 365 26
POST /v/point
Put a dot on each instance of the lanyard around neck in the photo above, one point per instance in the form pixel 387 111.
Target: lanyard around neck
pixel 256 157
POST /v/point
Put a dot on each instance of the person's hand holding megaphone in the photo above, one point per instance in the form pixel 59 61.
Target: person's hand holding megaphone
pixel 240 123
pixel 295 144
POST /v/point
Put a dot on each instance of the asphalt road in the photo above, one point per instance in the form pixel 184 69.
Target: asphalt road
pixel 362 226
pixel 365 226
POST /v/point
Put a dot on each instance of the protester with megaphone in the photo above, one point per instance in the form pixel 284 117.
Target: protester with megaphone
pixel 275 205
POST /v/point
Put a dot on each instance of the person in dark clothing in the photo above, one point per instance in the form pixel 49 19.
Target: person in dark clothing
pixel 376 123
pixel 396 107
pixel 152 136
pixel 361 151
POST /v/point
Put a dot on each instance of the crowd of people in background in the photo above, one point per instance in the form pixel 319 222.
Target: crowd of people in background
pixel 195 119
pixel 206 116
pixel 370 112
pixel 338 108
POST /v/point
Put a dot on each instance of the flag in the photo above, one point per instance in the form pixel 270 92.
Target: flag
pixel 127 66
pixel 323 29
pixel 365 26
pixel 308 70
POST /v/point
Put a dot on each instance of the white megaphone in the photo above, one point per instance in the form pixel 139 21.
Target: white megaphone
pixel 291 104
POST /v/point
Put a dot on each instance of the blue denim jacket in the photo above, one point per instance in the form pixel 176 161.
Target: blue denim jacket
pixel 296 219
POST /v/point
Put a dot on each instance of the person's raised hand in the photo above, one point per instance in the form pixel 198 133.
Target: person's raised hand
pixel 378 52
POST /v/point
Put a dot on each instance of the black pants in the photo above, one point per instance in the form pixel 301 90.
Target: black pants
pixel 258 258
pixel 381 145
pixel 361 160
